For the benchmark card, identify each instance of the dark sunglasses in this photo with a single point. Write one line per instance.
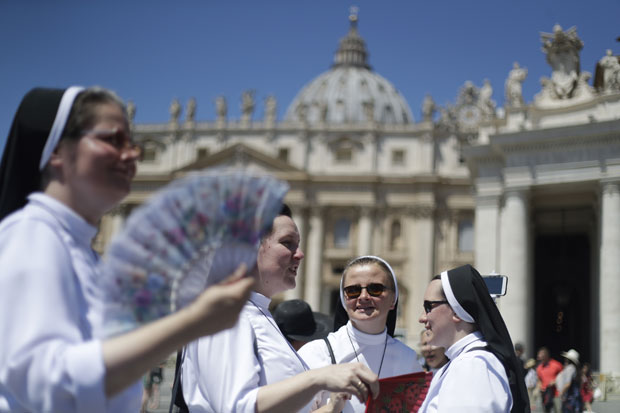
(429, 305)
(373, 290)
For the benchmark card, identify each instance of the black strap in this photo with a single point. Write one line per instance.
(176, 398)
(331, 351)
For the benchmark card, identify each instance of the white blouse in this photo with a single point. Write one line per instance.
(399, 359)
(222, 372)
(472, 382)
(49, 361)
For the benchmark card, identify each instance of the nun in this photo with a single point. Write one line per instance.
(483, 374)
(69, 159)
(364, 326)
(252, 367)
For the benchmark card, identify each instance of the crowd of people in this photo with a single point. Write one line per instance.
(70, 158)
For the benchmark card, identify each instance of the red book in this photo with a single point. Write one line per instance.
(400, 393)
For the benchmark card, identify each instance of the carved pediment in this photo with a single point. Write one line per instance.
(242, 156)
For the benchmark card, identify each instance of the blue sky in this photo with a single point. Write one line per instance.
(154, 51)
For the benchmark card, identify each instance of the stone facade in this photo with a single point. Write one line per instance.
(468, 183)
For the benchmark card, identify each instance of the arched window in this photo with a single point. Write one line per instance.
(342, 228)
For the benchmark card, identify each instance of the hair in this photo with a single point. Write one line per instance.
(370, 260)
(285, 211)
(438, 277)
(83, 116)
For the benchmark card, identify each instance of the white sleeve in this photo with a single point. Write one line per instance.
(221, 372)
(473, 385)
(315, 354)
(45, 364)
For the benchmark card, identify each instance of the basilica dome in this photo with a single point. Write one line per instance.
(350, 92)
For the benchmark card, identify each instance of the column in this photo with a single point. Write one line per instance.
(609, 306)
(418, 229)
(300, 219)
(364, 233)
(314, 259)
(514, 261)
(486, 225)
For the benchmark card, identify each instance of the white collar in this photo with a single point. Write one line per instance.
(70, 220)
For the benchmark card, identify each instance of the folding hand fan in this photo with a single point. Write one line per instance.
(190, 235)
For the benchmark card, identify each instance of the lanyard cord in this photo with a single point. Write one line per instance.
(280, 332)
(356, 356)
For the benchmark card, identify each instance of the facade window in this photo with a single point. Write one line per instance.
(398, 157)
(283, 154)
(149, 154)
(395, 235)
(202, 153)
(341, 233)
(344, 154)
(466, 235)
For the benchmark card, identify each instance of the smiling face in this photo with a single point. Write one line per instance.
(93, 175)
(278, 259)
(441, 320)
(368, 313)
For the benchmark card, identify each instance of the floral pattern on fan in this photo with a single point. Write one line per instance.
(163, 257)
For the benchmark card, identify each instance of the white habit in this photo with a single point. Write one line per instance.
(399, 359)
(49, 361)
(472, 382)
(222, 372)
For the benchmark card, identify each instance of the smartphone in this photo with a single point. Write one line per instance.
(496, 284)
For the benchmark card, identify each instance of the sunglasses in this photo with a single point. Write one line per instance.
(429, 305)
(373, 290)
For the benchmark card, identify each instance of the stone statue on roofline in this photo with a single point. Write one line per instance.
(247, 106)
(610, 66)
(270, 109)
(190, 113)
(428, 108)
(567, 85)
(221, 108)
(131, 111)
(514, 86)
(484, 99)
(175, 110)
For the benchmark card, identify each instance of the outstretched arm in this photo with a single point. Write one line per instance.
(292, 394)
(127, 357)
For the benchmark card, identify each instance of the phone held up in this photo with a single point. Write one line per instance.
(497, 284)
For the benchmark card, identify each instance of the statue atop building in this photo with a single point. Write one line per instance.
(175, 110)
(221, 108)
(247, 106)
(514, 86)
(485, 102)
(190, 113)
(567, 82)
(610, 66)
(270, 109)
(131, 111)
(428, 108)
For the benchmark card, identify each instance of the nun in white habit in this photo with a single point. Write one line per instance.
(364, 326)
(69, 158)
(483, 374)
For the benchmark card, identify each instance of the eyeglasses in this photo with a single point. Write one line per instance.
(116, 138)
(373, 290)
(429, 305)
